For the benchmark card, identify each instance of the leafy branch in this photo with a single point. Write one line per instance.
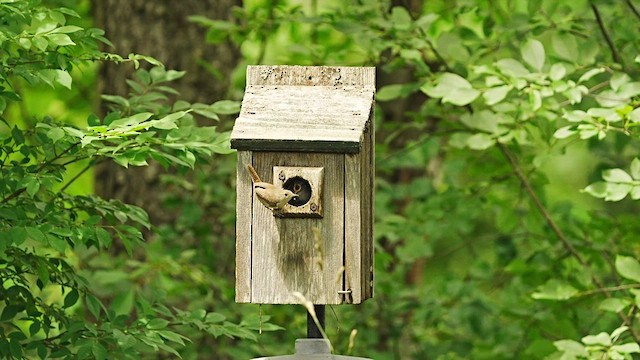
(566, 243)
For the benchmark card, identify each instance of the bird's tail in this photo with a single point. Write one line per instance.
(254, 174)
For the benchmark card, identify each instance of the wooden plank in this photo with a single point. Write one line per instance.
(353, 228)
(359, 195)
(310, 75)
(244, 207)
(277, 133)
(368, 206)
(287, 255)
(302, 114)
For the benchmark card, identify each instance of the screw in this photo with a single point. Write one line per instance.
(313, 207)
(281, 176)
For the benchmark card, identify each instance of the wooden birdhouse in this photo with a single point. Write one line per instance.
(309, 130)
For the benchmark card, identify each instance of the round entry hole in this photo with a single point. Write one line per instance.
(301, 188)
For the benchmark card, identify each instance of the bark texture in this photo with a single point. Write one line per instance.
(160, 29)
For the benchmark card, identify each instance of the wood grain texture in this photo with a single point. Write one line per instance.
(244, 206)
(304, 108)
(359, 175)
(309, 114)
(311, 75)
(368, 206)
(287, 254)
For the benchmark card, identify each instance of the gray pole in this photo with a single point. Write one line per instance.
(312, 329)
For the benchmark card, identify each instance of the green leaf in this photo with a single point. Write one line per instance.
(615, 334)
(564, 132)
(555, 290)
(452, 88)
(635, 168)
(391, 92)
(628, 267)
(591, 73)
(627, 348)
(63, 78)
(496, 94)
(104, 238)
(400, 18)
(36, 234)
(123, 303)
(613, 304)
(99, 352)
(93, 304)
(16, 348)
(168, 122)
(480, 141)
(606, 114)
(55, 134)
(10, 311)
(535, 100)
(599, 339)
(571, 348)
(66, 29)
(71, 298)
(565, 46)
(617, 192)
(157, 324)
(211, 318)
(59, 39)
(532, 52)
(131, 120)
(616, 176)
(33, 185)
(226, 107)
(511, 67)
(17, 135)
(557, 72)
(172, 336)
(634, 116)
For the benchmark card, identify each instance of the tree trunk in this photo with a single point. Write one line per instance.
(160, 29)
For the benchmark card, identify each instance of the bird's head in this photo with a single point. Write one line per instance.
(289, 195)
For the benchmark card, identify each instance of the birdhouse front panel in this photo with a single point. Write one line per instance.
(306, 133)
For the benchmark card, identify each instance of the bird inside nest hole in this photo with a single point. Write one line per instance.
(301, 188)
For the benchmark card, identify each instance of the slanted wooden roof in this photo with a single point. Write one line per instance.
(300, 108)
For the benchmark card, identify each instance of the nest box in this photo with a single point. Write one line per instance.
(308, 130)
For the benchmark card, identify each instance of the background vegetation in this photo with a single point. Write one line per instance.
(506, 187)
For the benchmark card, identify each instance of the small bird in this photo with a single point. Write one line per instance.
(272, 197)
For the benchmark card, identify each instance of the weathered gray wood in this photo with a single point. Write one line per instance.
(368, 207)
(244, 198)
(353, 236)
(287, 255)
(359, 175)
(307, 117)
(310, 75)
(315, 179)
(324, 108)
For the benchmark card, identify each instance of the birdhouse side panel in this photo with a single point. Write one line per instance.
(303, 255)
(244, 206)
(359, 175)
(368, 206)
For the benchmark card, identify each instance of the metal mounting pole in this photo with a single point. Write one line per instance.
(312, 329)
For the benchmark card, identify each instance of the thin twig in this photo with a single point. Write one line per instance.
(560, 234)
(609, 289)
(545, 214)
(605, 33)
(40, 168)
(65, 186)
(633, 8)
